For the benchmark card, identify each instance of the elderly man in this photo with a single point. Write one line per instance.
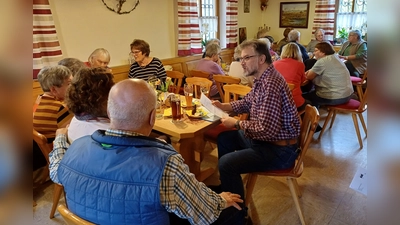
(268, 140)
(294, 36)
(355, 52)
(122, 176)
(99, 58)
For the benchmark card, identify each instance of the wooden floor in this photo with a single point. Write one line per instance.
(327, 199)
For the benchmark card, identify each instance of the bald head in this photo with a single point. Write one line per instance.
(131, 106)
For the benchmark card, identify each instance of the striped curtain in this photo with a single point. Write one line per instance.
(189, 37)
(325, 17)
(46, 48)
(231, 23)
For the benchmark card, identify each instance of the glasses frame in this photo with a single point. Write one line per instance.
(246, 58)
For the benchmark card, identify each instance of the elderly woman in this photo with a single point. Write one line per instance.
(354, 51)
(274, 55)
(49, 111)
(330, 77)
(236, 69)
(283, 41)
(210, 65)
(99, 58)
(87, 99)
(291, 67)
(144, 65)
(319, 35)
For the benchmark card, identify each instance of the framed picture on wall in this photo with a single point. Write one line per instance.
(246, 6)
(242, 34)
(294, 14)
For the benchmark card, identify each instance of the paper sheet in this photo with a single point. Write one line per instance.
(359, 182)
(206, 102)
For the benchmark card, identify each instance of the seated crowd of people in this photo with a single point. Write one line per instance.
(107, 161)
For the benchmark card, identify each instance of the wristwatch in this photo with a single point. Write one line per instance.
(237, 125)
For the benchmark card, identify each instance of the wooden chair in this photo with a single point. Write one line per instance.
(221, 80)
(177, 78)
(199, 73)
(355, 108)
(291, 86)
(359, 83)
(234, 90)
(307, 130)
(41, 140)
(70, 218)
(197, 82)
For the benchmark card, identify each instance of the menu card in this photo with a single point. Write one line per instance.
(206, 102)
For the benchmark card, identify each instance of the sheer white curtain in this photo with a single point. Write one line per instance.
(352, 21)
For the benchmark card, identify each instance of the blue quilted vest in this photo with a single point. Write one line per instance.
(115, 180)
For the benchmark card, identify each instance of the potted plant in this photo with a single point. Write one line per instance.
(343, 34)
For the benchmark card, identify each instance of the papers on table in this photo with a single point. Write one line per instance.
(206, 102)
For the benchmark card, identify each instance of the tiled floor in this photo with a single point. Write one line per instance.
(326, 197)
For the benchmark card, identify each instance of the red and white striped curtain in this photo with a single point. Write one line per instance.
(189, 38)
(46, 48)
(231, 23)
(325, 17)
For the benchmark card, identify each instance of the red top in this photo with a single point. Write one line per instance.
(293, 72)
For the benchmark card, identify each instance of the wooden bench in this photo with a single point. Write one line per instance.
(182, 64)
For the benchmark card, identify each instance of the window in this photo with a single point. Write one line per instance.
(208, 14)
(351, 15)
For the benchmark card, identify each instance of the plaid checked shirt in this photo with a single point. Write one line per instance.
(273, 113)
(180, 192)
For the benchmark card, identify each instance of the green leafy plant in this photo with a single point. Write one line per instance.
(343, 33)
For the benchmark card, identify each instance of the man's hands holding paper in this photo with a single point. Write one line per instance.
(228, 122)
(224, 106)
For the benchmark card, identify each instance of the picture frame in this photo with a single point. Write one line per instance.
(294, 14)
(246, 6)
(242, 34)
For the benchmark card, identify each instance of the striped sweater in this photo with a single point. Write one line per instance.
(155, 67)
(50, 115)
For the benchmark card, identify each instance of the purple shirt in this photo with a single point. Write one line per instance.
(273, 113)
(212, 68)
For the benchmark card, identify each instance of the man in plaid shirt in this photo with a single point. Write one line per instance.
(268, 140)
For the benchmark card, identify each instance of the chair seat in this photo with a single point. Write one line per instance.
(212, 134)
(352, 104)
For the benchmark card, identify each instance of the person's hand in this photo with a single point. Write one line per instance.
(232, 199)
(217, 104)
(229, 122)
(63, 130)
(342, 57)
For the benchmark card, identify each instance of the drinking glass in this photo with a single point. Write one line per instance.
(176, 107)
(153, 81)
(188, 89)
(171, 88)
(159, 110)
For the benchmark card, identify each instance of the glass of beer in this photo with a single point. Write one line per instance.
(188, 89)
(176, 107)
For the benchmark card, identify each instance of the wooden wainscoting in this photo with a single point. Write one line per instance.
(182, 64)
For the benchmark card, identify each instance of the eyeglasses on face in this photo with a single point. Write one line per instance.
(136, 52)
(246, 58)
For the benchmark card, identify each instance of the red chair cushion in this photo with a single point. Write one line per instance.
(212, 134)
(355, 80)
(352, 104)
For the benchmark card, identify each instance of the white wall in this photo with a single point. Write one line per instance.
(83, 26)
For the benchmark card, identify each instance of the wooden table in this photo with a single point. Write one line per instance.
(187, 139)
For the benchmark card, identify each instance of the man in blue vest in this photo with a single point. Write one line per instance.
(122, 176)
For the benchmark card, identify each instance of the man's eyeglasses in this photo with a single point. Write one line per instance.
(246, 58)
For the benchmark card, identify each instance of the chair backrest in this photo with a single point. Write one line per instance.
(70, 218)
(197, 82)
(221, 80)
(308, 126)
(41, 141)
(365, 76)
(236, 90)
(363, 103)
(177, 78)
(199, 73)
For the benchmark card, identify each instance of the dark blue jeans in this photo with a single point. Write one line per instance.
(239, 155)
(315, 100)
